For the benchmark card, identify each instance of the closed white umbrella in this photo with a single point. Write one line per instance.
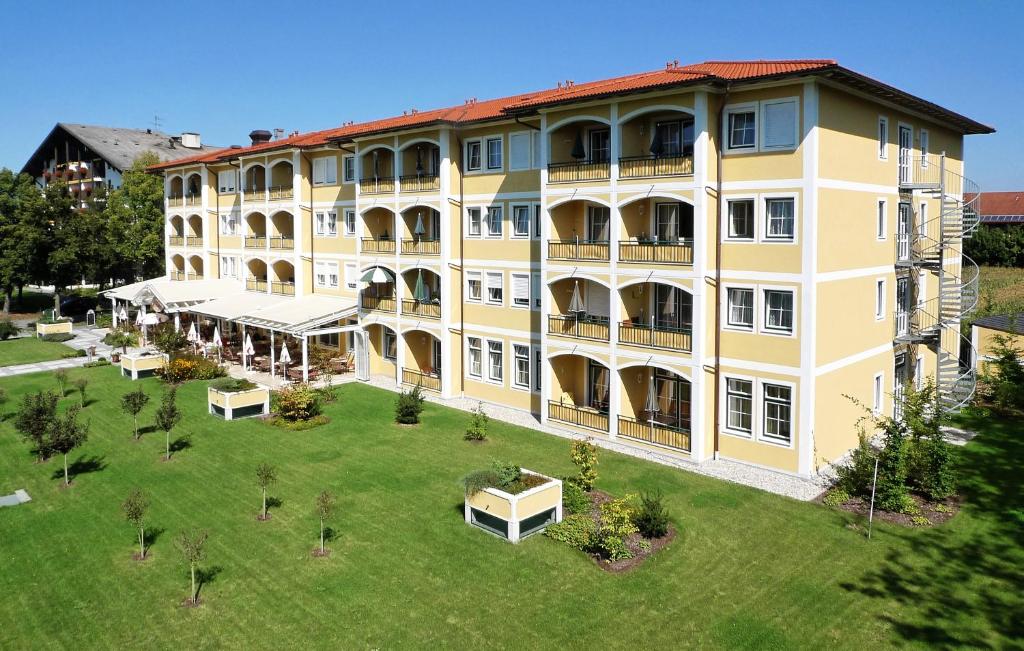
(247, 349)
(192, 335)
(138, 317)
(576, 305)
(216, 337)
(122, 315)
(284, 358)
(153, 318)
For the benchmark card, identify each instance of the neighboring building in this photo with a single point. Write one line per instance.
(999, 208)
(86, 157)
(575, 253)
(986, 328)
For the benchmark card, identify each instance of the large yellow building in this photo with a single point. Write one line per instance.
(702, 258)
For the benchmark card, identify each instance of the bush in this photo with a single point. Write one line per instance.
(855, 475)
(121, 339)
(577, 530)
(58, 337)
(8, 329)
(100, 361)
(299, 402)
(299, 425)
(584, 455)
(615, 525)
(477, 430)
(574, 500)
(190, 367)
(507, 473)
(232, 385)
(74, 353)
(1002, 383)
(835, 497)
(651, 518)
(409, 406)
(478, 480)
(168, 340)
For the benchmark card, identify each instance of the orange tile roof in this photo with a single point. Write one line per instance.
(671, 75)
(999, 204)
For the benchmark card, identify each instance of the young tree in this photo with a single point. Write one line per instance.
(66, 434)
(132, 404)
(584, 455)
(320, 359)
(81, 384)
(167, 416)
(135, 506)
(120, 338)
(192, 545)
(35, 418)
(168, 340)
(61, 375)
(324, 508)
(477, 430)
(266, 475)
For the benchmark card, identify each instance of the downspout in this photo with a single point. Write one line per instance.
(528, 126)
(718, 272)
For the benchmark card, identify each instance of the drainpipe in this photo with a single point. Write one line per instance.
(718, 271)
(528, 126)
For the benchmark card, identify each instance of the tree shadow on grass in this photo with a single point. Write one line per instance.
(274, 502)
(330, 534)
(205, 575)
(181, 443)
(147, 429)
(960, 585)
(81, 466)
(150, 535)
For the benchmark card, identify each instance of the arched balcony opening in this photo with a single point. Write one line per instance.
(422, 293)
(255, 230)
(194, 234)
(282, 236)
(177, 231)
(283, 278)
(580, 231)
(422, 231)
(379, 230)
(255, 178)
(177, 269)
(580, 309)
(195, 268)
(656, 315)
(421, 168)
(658, 230)
(655, 407)
(655, 144)
(384, 346)
(422, 364)
(193, 190)
(256, 275)
(580, 392)
(379, 291)
(580, 151)
(378, 172)
(281, 181)
(176, 191)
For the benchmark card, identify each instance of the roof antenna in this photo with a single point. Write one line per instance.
(157, 122)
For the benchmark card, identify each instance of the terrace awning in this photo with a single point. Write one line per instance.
(237, 305)
(297, 315)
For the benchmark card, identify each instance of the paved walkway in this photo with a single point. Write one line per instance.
(17, 497)
(83, 339)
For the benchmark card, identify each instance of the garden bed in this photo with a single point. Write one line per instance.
(640, 547)
(230, 398)
(54, 328)
(145, 364)
(935, 512)
(517, 510)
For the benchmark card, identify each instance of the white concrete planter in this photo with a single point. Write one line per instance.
(136, 365)
(238, 404)
(514, 517)
(60, 327)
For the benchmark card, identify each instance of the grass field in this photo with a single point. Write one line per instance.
(748, 570)
(26, 350)
(1001, 291)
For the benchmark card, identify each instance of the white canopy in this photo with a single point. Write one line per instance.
(153, 318)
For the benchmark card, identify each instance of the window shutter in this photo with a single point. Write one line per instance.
(535, 289)
(318, 170)
(332, 170)
(520, 289)
(779, 127)
(519, 151)
(536, 149)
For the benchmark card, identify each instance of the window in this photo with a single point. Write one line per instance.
(537, 366)
(779, 219)
(494, 153)
(880, 220)
(924, 148)
(778, 120)
(535, 153)
(520, 290)
(876, 402)
(494, 361)
(600, 146)
(778, 310)
(521, 221)
(494, 288)
(325, 170)
(229, 224)
(597, 386)
(326, 274)
(535, 289)
(349, 165)
(350, 222)
(473, 217)
(741, 308)
(777, 411)
(494, 219)
(473, 285)
(475, 357)
(883, 138)
(390, 345)
(598, 218)
(741, 219)
(226, 181)
(879, 299)
(327, 223)
(919, 373)
(229, 267)
(473, 155)
(922, 220)
(536, 221)
(521, 378)
(351, 277)
(519, 157)
(739, 401)
(742, 129)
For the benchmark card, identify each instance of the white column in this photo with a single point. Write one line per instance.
(273, 371)
(113, 312)
(243, 347)
(305, 358)
(704, 295)
(614, 300)
(545, 292)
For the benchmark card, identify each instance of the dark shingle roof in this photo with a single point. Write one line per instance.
(1004, 322)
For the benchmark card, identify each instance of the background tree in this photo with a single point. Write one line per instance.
(132, 404)
(34, 420)
(68, 242)
(134, 218)
(324, 509)
(167, 416)
(81, 384)
(134, 507)
(192, 545)
(61, 375)
(22, 233)
(266, 475)
(66, 434)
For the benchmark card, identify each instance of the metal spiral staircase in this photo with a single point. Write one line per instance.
(935, 245)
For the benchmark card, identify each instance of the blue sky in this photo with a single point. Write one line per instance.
(225, 68)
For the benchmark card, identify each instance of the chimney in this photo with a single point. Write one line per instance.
(190, 139)
(278, 134)
(258, 136)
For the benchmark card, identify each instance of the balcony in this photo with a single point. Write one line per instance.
(656, 336)
(414, 307)
(655, 433)
(176, 240)
(193, 276)
(378, 303)
(582, 250)
(371, 245)
(282, 288)
(175, 200)
(193, 199)
(585, 326)
(177, 275)
(588, 417)
(579, 171)
(419, 183)
(193, 240)
(642, 167)
(421, 247)
(657, 251)
(255, 242)
(256, 284)
(282, 243)
(430, 381)
(377, 185)
(254, 195)
(281, 192)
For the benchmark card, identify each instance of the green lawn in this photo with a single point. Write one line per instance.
(749, 569)
(26, 350)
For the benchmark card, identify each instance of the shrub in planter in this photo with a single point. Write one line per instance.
(574, 500)
(121, 339)
(577, 530)
(409, 406)
(168, 340)
(190, 367)
(232, 385)
(502, 475)
(58, 337)
(8, 329)
(295, 403)
(477, 430)
(651, 518)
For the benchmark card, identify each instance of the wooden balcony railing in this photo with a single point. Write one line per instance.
(421, 246)
(656, 336)
(256, 284)
(674, 252)
(429, 310)
(192, 240)
(430, 381)
(193, 276)
(580, 416)
(283, 288)
(377, 185)
(578, 171)
(639, 167)
(583, 327)
(282, 242)
(175, 200)
(378, 303)
(658, 434)
(255, 242)
(254, 195)
(176, 240)
(577, 250)
(372, 245)
(419, 182)
(279, 192)
(193, 199)
(177, 275)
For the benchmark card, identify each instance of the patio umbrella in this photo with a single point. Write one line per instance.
(421, 293)
(122, 315)
(419, 161)
(652, 407)
(377, 275)
(376, 156)
(247, 349)
(284, 358)
(153, 318)
(576, 305)
(577, 148)
(656, 148)
(419, 230)
(192, 335)
(138, 317)
(217, 341)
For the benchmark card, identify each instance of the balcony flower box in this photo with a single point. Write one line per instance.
(57, 327)
(142, 364)
(231, 399)
(516, 516)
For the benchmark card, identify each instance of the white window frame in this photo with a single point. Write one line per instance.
(727, 308)
(762, 436)
(345, 167)
(922, 219)
(733, 109)
(538, 368)
(763, 319)
(727, 217)
(322, 227)
(229, 223)
(328, 172)
(513, 232)
(501, 367)
(479, 349)
(350, 225)
(765, 220)
(489, 284)
(500, 167)
(724, 416)
(882, 146)
(924, 141)
(384, 332)
(515, 299)
(478, 276)
(517, 348)
(918, 373)
(229, 265)
(487, 214)
(536, 290)
(882, 219)
(351, 275)
(326, 274)
(233, 185)
(479, 222)
(877, 393)
(759, 126)
(880, 298)
(536, 214)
